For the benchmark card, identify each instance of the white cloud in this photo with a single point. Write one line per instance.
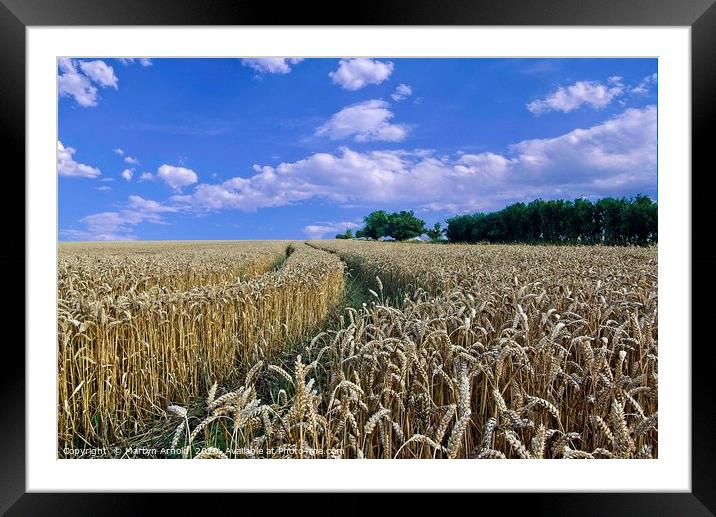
(146, 176)
(127, 159)
(100, 72)
(104, 222)
(566, 99)
(127, 174)
(67, 166)
(91, 235)
(147, 209)
(401, 92)
(71, 83)
(365, 121)
(625, 144)
(77, 83)
(103, 188)
(271, 65)
(113, 226)
(176, 177)
(320, 230)
(645, 84)
(144, 61)
(616, 157)
(354, 74)
(491, 166)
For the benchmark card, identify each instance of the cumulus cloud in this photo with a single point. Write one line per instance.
(401, 92)
(321, 229)
(616, 157)
(127, 174)
(624, 141)
(100, 72)
(127, 159)
(490, 165)
(76, 77)
(176, 177)
(146, 176)
(354, 74)
(119, 225)
(103, 188)
(144, 61)
(271, 65)
(147, 209)
(71, 83)
(363, 122)
(570, 98)
(67, 166)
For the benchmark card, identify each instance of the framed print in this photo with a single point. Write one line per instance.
(415, 251)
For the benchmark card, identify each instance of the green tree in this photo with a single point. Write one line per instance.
(639, 223)
(435, 233)
(376, 224)
(582, 224)
(608, 221)
(515, 222)
(611, 212)
(404, 225)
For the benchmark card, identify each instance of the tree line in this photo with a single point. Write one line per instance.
(611, 221)
(400, 226)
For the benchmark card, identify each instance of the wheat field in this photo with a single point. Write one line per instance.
(192, 316)
(358, 349)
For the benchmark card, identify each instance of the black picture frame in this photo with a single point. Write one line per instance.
(700, 15)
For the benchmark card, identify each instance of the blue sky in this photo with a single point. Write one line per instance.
(290, 149)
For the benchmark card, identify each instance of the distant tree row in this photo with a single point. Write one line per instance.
(608, 221)
(397, 225)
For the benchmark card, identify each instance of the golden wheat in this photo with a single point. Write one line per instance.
(463, 351)
(124, 357)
